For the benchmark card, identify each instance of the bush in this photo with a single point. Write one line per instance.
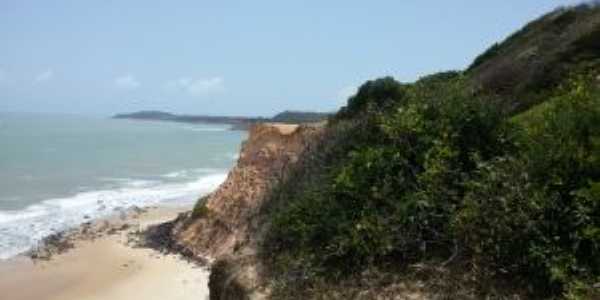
(200, 209)
(373, 95)
(537, 216)
(443, 171)
(393, 196)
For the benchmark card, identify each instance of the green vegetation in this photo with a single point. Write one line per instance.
(373, 95)
(297, 117)
(488, 178)
(534, 60)
(200, 210)
(535, 212)
(443, 172)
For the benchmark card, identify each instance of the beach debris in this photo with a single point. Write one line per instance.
(62, 241)
(56, 243)
(160, 238)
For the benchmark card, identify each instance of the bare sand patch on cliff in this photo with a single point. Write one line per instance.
(284, 129)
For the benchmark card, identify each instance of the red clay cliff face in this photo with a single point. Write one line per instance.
(266, 156)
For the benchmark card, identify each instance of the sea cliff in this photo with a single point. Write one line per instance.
(224, 227)
(450, 187)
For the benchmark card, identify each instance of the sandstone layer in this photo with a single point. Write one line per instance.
(226, 229)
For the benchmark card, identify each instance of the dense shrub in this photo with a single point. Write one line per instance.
(485, 56)
(537, 58)
(376, 95)
(441, 171)
(538, 215)
(393, 196)
(200, 209)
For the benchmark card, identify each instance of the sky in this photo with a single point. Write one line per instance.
(251, 58)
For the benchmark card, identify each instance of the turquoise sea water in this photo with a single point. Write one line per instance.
(58, 171)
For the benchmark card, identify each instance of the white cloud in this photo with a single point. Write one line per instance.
(202, 86)
(196, 87)
(44, 76)
(178, 84)
(127, 82)
(346, 92)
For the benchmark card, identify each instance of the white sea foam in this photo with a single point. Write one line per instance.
(20, 230)
(176, 174)
(191, 173)
(205, 129)
(228, 156)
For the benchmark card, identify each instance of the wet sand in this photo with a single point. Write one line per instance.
(107, 267)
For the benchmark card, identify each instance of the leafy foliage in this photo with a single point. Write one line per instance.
(392, 197)
(536, 214)
(372, 95)
(537, 58)
(200, 209)
(442, 170)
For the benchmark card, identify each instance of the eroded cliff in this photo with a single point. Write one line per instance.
(225, 230)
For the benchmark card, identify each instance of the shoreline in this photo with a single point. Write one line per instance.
(25, 227)
(101, 261)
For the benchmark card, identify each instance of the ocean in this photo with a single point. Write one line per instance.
(58, 171)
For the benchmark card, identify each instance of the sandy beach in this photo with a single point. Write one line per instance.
(107, 267)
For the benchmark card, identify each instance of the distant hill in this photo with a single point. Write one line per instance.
(299, 117)
(147, 115)
(237, 122)
(537, 58)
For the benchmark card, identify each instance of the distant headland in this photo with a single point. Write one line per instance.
(237, 122)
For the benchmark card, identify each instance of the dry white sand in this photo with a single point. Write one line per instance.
(108, 269)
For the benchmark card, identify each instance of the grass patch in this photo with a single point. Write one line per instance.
(200, 209)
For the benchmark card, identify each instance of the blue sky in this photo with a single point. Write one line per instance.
(234, 57)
